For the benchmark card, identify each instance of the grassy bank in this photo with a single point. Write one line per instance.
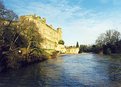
(15, 60)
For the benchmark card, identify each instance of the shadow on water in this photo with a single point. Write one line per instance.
(82, 70)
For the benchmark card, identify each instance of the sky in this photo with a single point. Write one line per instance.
(80, 20)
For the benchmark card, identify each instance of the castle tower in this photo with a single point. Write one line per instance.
(59, 31)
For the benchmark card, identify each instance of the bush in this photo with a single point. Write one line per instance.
(61, 42)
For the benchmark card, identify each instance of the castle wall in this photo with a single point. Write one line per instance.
(49, 35)
(72, 50)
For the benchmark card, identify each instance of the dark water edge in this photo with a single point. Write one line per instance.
(22, 64)
(82, 70)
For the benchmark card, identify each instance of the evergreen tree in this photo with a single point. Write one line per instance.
(77, 44)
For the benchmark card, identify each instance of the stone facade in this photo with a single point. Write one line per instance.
(72, 50)
(50, 35)
(61, 48)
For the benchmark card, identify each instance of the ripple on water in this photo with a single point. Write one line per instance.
(83, 70)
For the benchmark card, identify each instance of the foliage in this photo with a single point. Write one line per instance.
(16, 34)
(111, 36)
(6, 14)
(82, 48)
(77, 44)
(110, 42)
(31, 34)
(107, 43)
(61, 42)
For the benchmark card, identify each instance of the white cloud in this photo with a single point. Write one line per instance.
(86, 31)
(78, 24)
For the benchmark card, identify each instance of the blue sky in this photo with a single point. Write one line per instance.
(80, 20)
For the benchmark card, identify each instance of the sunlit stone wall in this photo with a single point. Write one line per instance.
(50, 35)
(72, 50)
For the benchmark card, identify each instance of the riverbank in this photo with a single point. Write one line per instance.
(17, 62)
(115, 54)
(14, 60)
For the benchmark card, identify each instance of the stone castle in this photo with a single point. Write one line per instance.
(50, 36)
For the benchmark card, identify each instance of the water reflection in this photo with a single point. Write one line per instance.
(83, 70)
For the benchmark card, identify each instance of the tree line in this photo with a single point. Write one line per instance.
(107, 43)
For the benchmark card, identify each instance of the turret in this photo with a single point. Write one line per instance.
(43, 20)
(59, 31)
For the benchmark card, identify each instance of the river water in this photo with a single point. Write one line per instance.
(82, 70)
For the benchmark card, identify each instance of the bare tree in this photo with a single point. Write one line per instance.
(7, 23)
(31, 33)
(111, 36)
(101, 40)
(6, 14)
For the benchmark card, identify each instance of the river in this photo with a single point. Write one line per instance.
(82, 70)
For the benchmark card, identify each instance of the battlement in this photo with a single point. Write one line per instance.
(50, 35)
(33, 17)
(38, 18)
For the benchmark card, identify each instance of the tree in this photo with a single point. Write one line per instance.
(111, 36)
(83, 48)
(118, 46)
(6, 13)
(16, 34)
(109, 41)
(61, 42)
(31, 33)
(77, 44)
(7, 35)
(8, 31)
(101, 40)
